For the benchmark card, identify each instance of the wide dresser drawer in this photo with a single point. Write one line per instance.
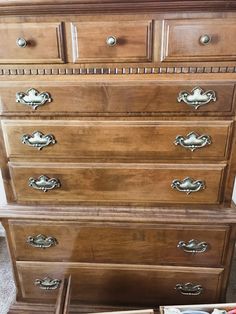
(90, 96)
(123, 243)
(106, 284)
(137, 140)
(117, 183)
(199, 40)
(27, 43)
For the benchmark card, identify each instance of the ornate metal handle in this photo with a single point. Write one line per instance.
(38, 140)
(111, 41)
(193, 246)
(193, 141)
(189, 288)
(44, 183)
(41, 241)
(205, 39)
(188, 185)
(47, 283)
(197, 97)
(21, 42)
(33, 98)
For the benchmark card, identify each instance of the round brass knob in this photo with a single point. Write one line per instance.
(111, 41)
(21, 42)
(205, 39)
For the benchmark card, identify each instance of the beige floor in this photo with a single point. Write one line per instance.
(7, 287)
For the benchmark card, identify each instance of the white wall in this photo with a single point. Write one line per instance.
(2, 193)
(234, 194)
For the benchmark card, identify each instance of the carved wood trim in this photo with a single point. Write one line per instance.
(116, 71)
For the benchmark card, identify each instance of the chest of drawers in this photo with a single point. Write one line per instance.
(119, 150)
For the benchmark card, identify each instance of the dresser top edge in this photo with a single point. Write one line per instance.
(42, 7)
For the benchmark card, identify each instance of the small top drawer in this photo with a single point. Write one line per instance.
(111, 41)
(199, 40)
(31, 43)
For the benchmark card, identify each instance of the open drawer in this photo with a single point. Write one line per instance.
(199, 307)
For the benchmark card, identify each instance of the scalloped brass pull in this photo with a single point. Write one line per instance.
(44, 183)
(197, 97)
(41, 241)
(188, 185)
(38, 140)
(47, 283)
(193, 246)
(189, 288)
(193, 141)
(33, 98)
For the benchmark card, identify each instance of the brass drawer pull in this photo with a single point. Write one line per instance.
(188, 185)
(38, 140)
(205, 39)
(189, 288)
(193, 141)
(111, 41)
(21, 42)
(33, 98)
(197, 97)
(41, 241)
(47, 283)
(44, 183)
(193, 246)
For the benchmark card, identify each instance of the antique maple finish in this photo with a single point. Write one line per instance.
(150, 244)
(111, 41)
(116, 183)
(121, 140)
(117, 95)
(126, 285)
(25, 43)
(118, 151)
(203, 40)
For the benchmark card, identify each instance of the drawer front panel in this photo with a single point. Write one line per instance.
(111, 41)
(145, 140)
(117, 183)
(27, 43)
(121, 285)
(116, 98)
(203, 40)
(118, 243)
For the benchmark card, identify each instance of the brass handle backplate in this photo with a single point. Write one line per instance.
(38, 140)
(44, 183)
(193, 141)
(41, 241)
(189, 288)
(188, 185)
(33, 98)
(193, 246)
(47, 283)
(197, 97)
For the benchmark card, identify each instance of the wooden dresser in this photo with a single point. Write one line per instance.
(118, 150)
